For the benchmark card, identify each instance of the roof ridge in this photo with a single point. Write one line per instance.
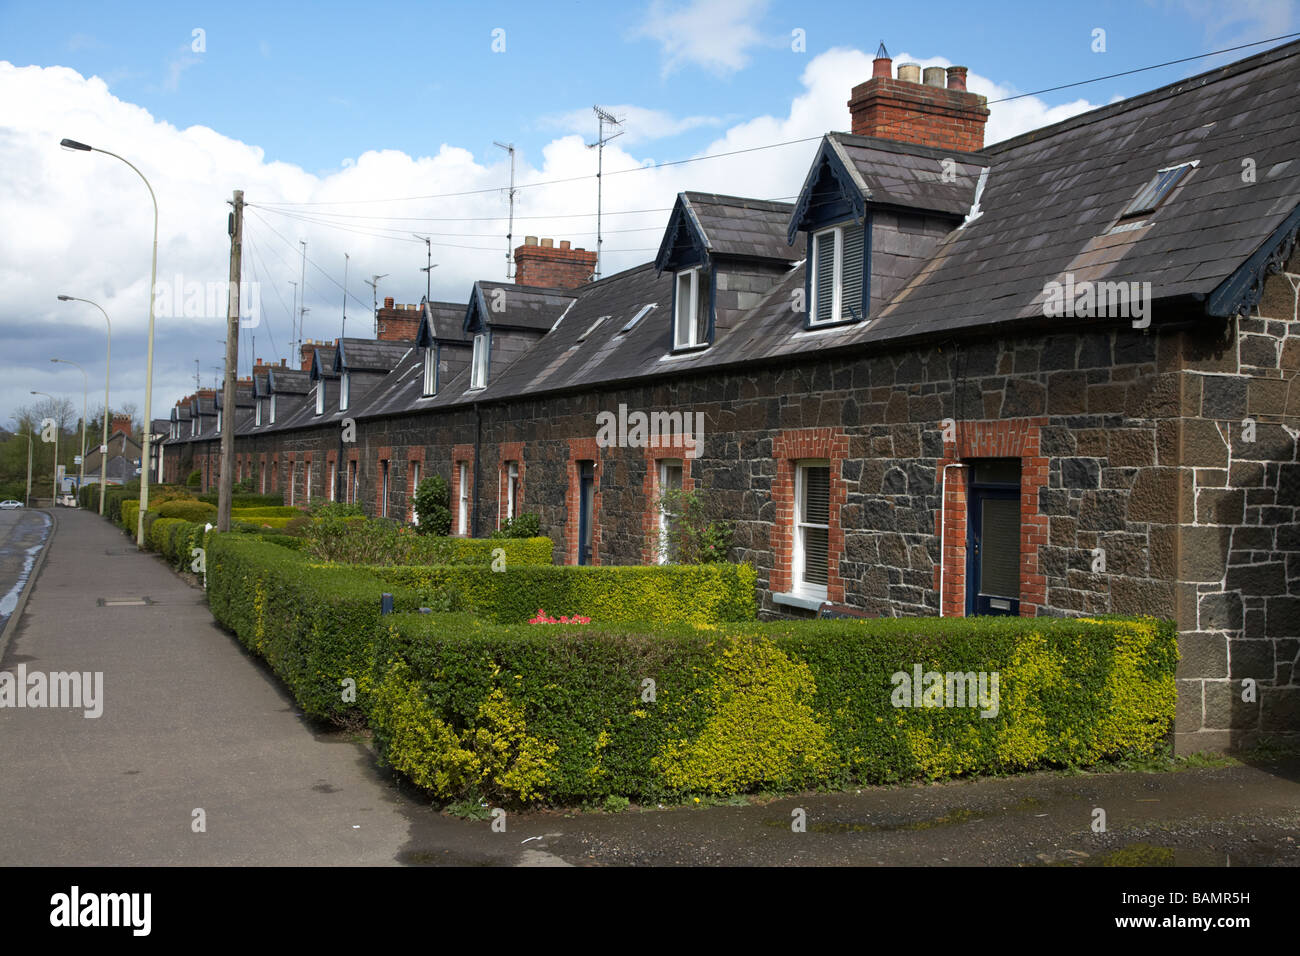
(1169, 90)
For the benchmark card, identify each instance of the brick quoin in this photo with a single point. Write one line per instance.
(650, 488)
(509, 451)
(788, 449)
(461, 453)
(1011, 438)
(582, 449)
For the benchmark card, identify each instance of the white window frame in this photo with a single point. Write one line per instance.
(664, 465)
(798, 553)
(837, 276)
(415, 485)
(354, 480)
(462, 492)
(257, 414)
(293, 475)
(385, 470)
(320, 397)
(430, 373)
(478, 373)
(263, 480)
(345, 391)
(272, 409)
(306, 484)
(218, 421)
(512, 482)
(334, 481)
(692, 305)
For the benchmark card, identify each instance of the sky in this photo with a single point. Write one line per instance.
(348, 126)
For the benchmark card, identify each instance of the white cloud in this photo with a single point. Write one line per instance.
(81, 223)
(640, 125)
(714, 34)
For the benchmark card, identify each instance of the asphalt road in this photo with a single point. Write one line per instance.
(191, 722)
(22, 532)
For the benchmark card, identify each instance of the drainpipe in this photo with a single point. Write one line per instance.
(478, 443)
(943, 528)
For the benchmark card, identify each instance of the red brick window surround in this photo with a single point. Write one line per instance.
(306, 477)
(582, 449)
(1011, 438)
(414, 475)
(462, 515)
(331, 475)
(275, 473)
(512, 453)
(789, 448)
(291, 495)
(383, 479)
(650, 527)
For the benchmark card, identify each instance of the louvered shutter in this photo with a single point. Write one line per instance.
(816, 511)
(851, 273)
(824, 276)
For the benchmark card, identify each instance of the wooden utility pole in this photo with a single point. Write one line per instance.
(229, 414)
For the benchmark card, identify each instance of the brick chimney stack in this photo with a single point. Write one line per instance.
(918, 108)
(121, 423)
(398, 323)
(545, 266)
(306, 353)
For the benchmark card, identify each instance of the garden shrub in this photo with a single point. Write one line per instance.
(265, 511)
(240, 500)
(433, 506)
(526, 525)
(188, 509)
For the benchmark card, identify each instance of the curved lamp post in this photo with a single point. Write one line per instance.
(85, 392)
(103, 448)
(148, 372)
(55, 488)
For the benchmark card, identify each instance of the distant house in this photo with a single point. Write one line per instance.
(123, 454)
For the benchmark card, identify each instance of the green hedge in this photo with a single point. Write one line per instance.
(247, 500)
(189, 509)
(269, 511)
(693, 594)
(256, 522)
(560, 713)
(315, 625)
(128, 512)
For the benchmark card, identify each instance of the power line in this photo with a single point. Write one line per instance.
(1143, 69)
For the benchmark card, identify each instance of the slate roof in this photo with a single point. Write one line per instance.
(322, 363)
(444, 321)
(1048, 206)
(369, 355)
(735, 226)
(290, 381)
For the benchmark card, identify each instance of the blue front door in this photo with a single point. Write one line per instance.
(993, 538)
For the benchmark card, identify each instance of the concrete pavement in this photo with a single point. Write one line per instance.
(191, 722)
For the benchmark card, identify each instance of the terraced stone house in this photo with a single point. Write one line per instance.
(1056, 375)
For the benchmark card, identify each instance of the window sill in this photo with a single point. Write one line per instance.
(792, 599)
(686, 351)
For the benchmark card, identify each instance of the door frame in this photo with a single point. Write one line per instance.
(978, 603)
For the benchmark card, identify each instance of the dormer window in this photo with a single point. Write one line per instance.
(320, 399)
(345, 388)
(257, 413)
(218, 421)
(272, 409)
(478, 375)
(835, 271)
(430, 372)
(690, 309)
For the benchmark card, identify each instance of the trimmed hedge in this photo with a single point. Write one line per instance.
(269, 511)
(562, 713)
(315, 625)
(188, 509)
(693, 594)
(247, 500)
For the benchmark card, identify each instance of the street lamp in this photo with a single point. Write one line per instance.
(85, 391)
(55, 489)
(103, 448)
(148, 372)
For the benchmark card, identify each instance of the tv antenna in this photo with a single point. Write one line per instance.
(603, 118)
(373, 282)
(510, 230)
(429, 266)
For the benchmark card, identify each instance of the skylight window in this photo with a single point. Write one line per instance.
(592, 328)
(1155, 192)
(631, 323)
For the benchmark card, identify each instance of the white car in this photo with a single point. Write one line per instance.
(68, 501)
(10, 505)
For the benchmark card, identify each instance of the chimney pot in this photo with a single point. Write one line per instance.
(283, 363)
(934, 76)
(909, 72)
(564, 243)
(530, 240)
(388, 302)
(548, 243)
(957, 78)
